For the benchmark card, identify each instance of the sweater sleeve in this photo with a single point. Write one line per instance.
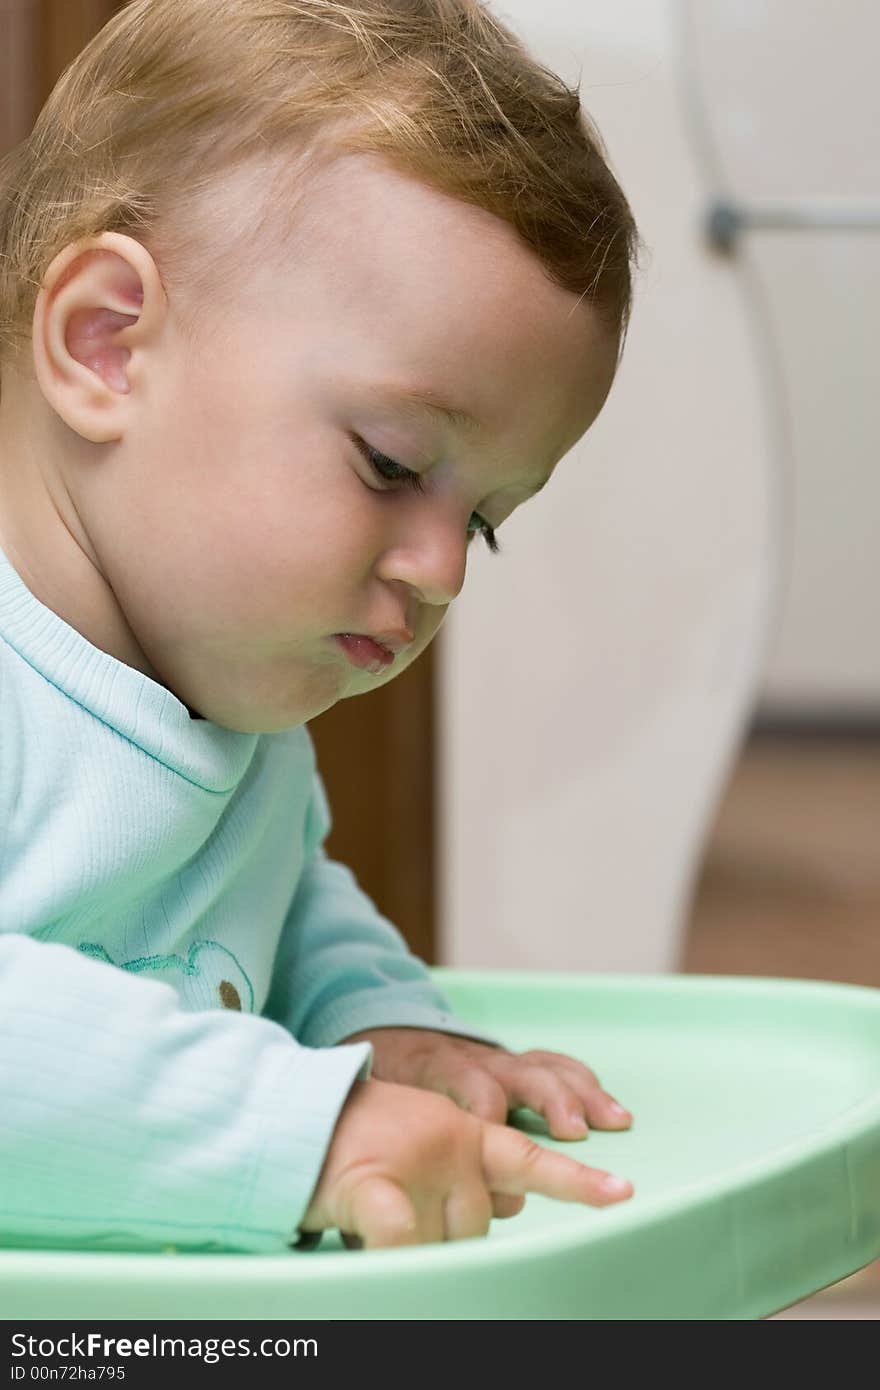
(127, 1122)
(341, 966)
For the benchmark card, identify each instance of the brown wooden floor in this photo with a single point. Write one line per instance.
(790, 886)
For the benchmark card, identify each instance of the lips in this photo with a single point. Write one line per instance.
(364, 652)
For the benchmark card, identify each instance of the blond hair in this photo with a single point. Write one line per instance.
(172, 94)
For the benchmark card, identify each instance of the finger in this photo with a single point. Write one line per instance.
(505, 1204)
(540, 1057)
(551, 1096)
(477, 1092)
(467, 1212)
(513, 1163)
(600, 1108)
(382, 1214)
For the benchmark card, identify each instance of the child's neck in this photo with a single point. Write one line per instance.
(41, 543)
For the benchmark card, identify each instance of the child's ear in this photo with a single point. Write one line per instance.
(99, 312)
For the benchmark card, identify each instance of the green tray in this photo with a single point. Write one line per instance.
(755, 1154)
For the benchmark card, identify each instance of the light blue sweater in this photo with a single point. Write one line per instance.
(178, 959)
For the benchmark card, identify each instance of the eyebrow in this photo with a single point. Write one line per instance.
(430, 403)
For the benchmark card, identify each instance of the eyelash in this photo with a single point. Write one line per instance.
(414, 480)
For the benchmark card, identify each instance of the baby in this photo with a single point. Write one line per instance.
(296, 297)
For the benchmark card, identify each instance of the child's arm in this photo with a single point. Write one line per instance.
(341, 966)
(127, 1122)
(343, 972)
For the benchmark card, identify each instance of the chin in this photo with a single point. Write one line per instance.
(272, 702)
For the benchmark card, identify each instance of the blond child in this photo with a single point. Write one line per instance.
(296, 297)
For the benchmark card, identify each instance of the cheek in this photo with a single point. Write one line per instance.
(268, 524)
(428, 629)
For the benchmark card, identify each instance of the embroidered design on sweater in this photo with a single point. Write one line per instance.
(201, 964)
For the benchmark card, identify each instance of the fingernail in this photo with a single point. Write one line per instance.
(618, 1110)
(577, 1122)
(614, 1186)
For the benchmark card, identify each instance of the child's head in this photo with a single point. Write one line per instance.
(235, 223)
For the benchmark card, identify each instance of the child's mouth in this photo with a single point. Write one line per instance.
(364, 652)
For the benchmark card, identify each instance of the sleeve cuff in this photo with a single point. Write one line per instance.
(340, 1020)
(305, 1103)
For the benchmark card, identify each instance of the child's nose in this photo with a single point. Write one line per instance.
(431, 559)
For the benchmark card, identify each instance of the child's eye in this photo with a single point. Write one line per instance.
(391, 472)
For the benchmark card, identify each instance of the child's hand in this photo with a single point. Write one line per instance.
(406, 1167)
(488, 1081)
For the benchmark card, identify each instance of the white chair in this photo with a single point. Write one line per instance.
(598, 677)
